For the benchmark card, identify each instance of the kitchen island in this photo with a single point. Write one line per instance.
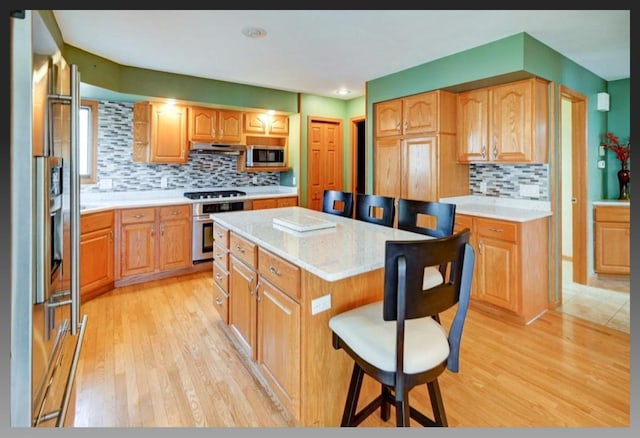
(283, 285)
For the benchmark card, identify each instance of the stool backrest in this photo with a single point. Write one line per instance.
(338, 203)
(409, 211)
(365, 209)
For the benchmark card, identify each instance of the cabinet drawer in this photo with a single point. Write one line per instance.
(221, 255)
(96, 221)
(221, 277)
(243, 249)
(287, 202)
(497, 229)
(221, 302)
(280, 273)
(220, 235)
(138, 215)
(175, 212)
(612, 214)
(462, 222)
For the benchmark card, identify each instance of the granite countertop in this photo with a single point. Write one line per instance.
(511, 209)
(349, 248)
(95, 202)
(613, 203)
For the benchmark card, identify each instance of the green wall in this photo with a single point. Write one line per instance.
(618, 122)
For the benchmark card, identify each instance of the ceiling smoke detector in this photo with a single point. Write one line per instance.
(254, 32)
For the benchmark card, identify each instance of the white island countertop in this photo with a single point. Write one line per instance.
(349, 248)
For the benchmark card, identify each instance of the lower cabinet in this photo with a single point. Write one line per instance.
(612, 240)
(259, 204)
(154, 239)
(511, 276)
(96, 254)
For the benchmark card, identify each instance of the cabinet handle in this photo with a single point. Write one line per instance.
(174, 212)
(218, 301)
(480, 246)
(274, 271)
(218, 276)
(497, 230)
(138, 216)
(111, 236)
(251, 291)
(219, 234)
(162, 230)
(484, 151)
(239, 248)
(256, 291)
(153, 231)
(495, 151)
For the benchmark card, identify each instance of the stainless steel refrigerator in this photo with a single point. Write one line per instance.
(47, 331)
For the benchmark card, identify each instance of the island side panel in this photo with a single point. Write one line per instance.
(535, 268)
(326, 372)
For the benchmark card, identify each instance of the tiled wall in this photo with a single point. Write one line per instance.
(503, 180)
(115, 139)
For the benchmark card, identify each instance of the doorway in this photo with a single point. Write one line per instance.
(324, 159)
(358, 155)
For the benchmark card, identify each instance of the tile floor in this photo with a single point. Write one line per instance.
(607, 303)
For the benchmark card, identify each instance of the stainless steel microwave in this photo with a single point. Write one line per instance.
(265, 156)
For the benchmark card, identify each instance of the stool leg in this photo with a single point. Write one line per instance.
(385, 407)
(351, 403)
(437, 404)
(403, 411)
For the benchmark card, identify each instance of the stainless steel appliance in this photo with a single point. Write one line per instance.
(265, 156)
(47, 335)
(202, 230)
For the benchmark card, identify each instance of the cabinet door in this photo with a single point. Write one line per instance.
(229, 126)
(472, 125)
(497, 273)
(420, 114)
(511, 122)
(243, 304)
(202, 124)
(279, 125)
(279, 343)
(287, 202)
(137, 248)
(612, 247)
(96, 260)
(387, 167)
(175, 244)
(259, 204)
(388, 118)
(419, 169)
(169, 134)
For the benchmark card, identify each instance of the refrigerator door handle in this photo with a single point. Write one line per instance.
(75, 199)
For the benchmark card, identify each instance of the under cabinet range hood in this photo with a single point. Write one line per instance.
(212, 148)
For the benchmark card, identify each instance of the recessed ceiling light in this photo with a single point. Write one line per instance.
(254, 32)
(343, 92)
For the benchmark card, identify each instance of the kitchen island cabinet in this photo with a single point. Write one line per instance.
(304, 278)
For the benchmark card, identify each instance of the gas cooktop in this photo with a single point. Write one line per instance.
(217, 194)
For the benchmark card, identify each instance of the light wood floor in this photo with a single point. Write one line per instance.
(156, 354)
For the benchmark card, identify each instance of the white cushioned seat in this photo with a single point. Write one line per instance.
(374, 339)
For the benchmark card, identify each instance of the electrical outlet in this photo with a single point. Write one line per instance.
(293, 180)
(164, 182)
(255, 179)
(530, 190)
(105, 183)
(483, 187)
(321, 304)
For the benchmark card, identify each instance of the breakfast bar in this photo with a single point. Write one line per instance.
(279, 276)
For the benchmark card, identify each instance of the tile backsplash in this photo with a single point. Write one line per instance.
(203, 170)
(505, 180)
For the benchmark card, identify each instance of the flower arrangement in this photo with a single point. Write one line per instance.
(622, 150)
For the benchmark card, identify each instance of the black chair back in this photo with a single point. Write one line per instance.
(365, 212)
(404, 297)
(338, 203)
(409, 211)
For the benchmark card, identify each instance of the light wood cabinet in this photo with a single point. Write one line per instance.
(260, 123)
(242, 294)
(221, 271)
(160, 133)
(505, 123)
(511, 275)
(258, 204)
(210, 125)
(415, 148)
(612, 240)
(154, 239)
(96, 254)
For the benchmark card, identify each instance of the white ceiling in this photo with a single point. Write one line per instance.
(319, 51)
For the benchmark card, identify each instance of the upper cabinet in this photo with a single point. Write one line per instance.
(260, 123)
(505, 123)
(415, 115)
(160, 133)
(209, 125)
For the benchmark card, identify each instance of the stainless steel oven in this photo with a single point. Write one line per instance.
(202, 230)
